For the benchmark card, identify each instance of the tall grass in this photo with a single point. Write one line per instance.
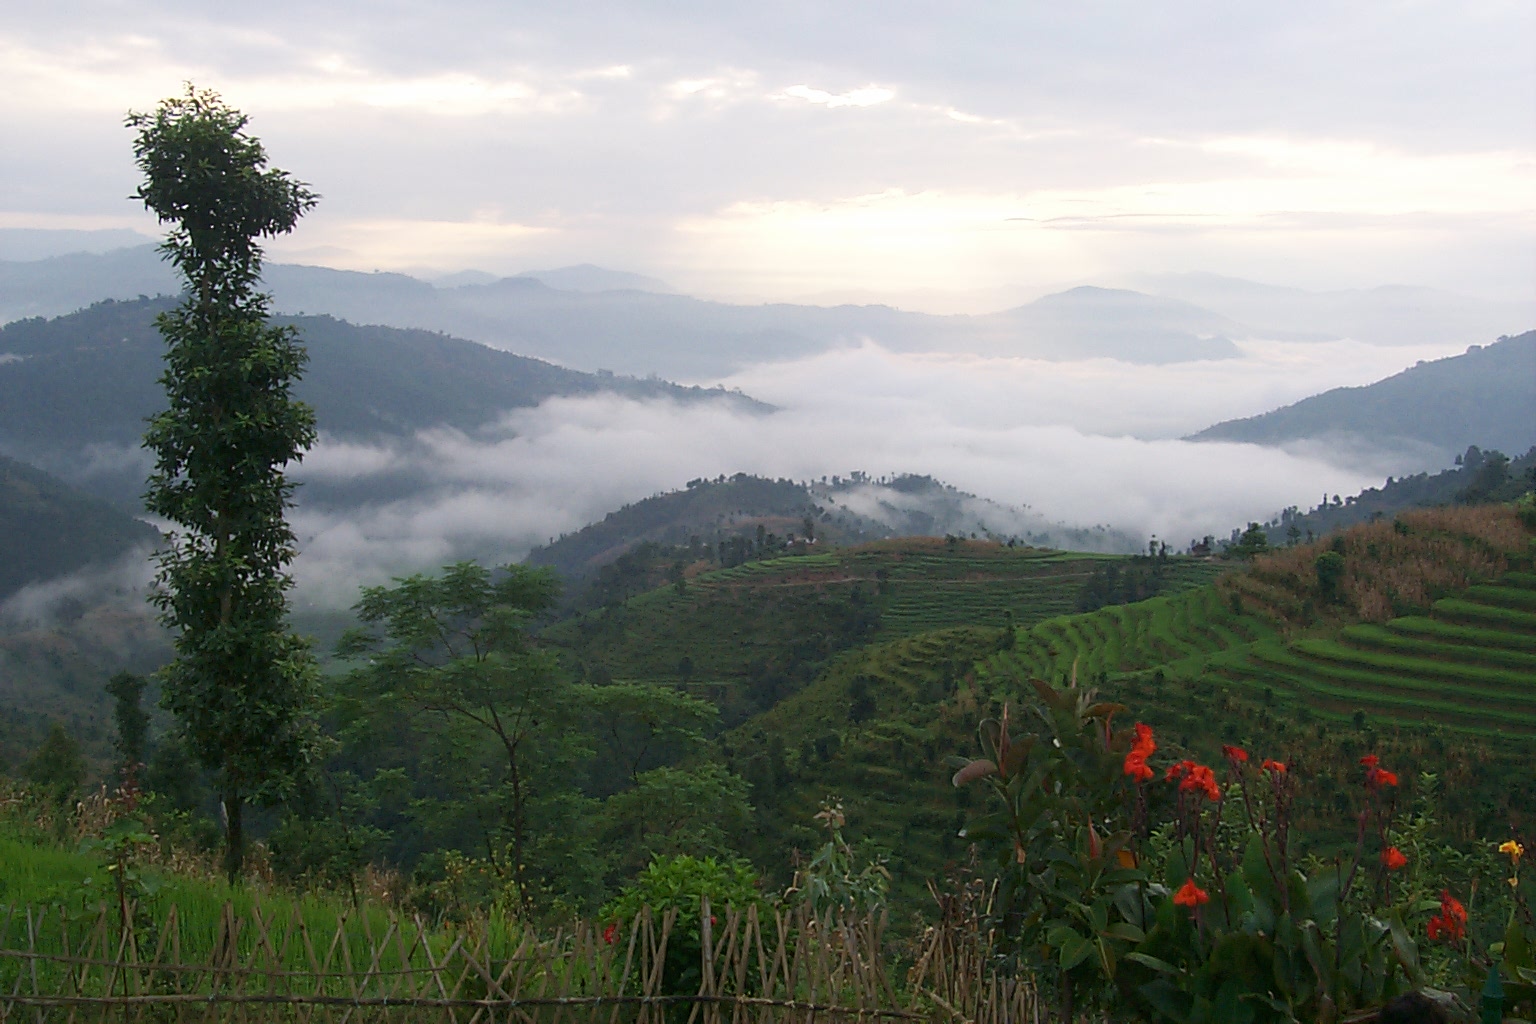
(1399, 567)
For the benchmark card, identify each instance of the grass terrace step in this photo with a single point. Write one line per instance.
(1456, 609)
(1384, 638)
(1503, 597)
(1473, 636)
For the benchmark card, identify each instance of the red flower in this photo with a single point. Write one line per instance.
(1451, 923)
(1234, 754)
(1136, 767)
(1271, 765)
(1375, 778)
(1393, 858)
(1141, 749)
(1201, 778)
(1191, 895)
(611, 932)
(1370, 760)
(1177, 771)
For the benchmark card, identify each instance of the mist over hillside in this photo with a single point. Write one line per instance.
(1433, 410)
(433, 449)
(77, 390)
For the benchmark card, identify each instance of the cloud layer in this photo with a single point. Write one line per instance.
(791, 149)
(1084, 443)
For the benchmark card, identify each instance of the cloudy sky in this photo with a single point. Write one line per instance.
(941, 156)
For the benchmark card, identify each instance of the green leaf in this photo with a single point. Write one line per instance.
(1126, 931)
(1074, 950)
(1406, 950)
(1148, 960)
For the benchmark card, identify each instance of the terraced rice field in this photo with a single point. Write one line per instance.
(1128, 638)
(927, 585)
(1469, 666)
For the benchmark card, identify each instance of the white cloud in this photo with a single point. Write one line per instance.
(868, 96)
(1017, 431)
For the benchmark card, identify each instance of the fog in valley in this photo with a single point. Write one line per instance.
(1273, 170)
(1084, 443)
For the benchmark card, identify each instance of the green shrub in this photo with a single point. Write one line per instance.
(680, 884)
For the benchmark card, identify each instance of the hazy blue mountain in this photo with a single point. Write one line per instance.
(1389, 315)
(40, 243)
(1115, 323)
(627, 327)
(584, 277)
(1485, 397)
(61, 284)
(77, 398)
(49, 529)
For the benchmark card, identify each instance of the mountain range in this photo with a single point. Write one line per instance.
(1485, 397)
(590, 318)
(75, 391)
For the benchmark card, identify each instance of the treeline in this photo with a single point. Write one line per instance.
(1479, 477)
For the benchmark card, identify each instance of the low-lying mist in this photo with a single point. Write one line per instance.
(1083, 443)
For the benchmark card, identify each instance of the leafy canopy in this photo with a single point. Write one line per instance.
(241, 685)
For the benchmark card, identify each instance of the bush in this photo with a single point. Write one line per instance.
(680, 884)
(1177, 894)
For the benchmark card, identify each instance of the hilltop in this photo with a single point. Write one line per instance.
(1485, 396)
(730, 520)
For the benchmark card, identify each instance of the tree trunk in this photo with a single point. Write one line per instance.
(234, 837)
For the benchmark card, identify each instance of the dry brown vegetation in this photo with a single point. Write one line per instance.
(1392, 567)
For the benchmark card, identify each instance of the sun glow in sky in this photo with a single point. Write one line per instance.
(790, 150)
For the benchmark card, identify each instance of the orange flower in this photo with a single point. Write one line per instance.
(1191, 895)
(1201, 778)
(1177, 771)
(1234, 754)
(1141, 749)
(1370, 760)
(1375, 778)
(1136, 767)
(1393, 858)
(1451, 923)
(1271, 765)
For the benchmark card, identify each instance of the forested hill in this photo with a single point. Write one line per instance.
(87, 381)
(1479, 477)
(48, 529)
(730, 520)
(1486, 397)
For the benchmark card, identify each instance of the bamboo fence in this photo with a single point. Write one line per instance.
(743, 967)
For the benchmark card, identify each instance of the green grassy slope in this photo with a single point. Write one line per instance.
(783, 614)
(1453, 691)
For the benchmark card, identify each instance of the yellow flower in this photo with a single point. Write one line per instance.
(1514, 850)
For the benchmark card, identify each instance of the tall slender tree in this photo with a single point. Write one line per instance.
(241, 685)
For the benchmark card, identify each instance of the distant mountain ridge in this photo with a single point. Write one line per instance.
(1485, 397)
(1384, 315)
(85, 383)
(591, 318)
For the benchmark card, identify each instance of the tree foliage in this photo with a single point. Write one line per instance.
(241, 684)
(456, 647)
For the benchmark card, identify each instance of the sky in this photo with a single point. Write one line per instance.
(949, 157)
